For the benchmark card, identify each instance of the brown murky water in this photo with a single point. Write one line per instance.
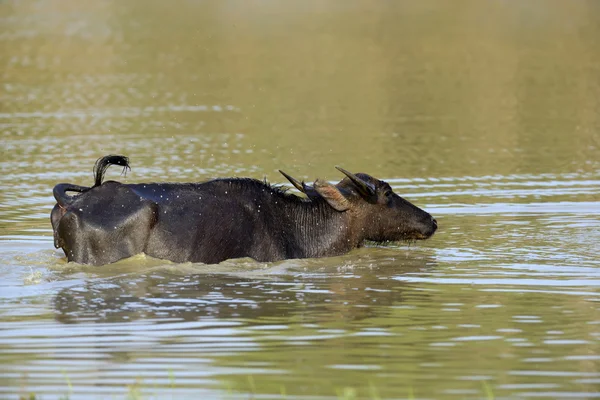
(485, 113)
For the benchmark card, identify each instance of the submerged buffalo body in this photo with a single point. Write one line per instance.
(228, 218)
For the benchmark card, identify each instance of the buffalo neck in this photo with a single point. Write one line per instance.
(318, 230)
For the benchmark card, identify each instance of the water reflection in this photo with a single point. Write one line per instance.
(284, 290)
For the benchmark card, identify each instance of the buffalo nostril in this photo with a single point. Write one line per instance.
(434, 223)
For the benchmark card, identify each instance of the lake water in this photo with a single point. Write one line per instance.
(484, 113)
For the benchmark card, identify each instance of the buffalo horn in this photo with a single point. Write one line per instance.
(297, 184)
(363, 187)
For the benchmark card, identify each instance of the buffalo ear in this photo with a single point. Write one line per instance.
(332, 195)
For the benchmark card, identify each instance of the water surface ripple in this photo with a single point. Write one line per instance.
(489, 124)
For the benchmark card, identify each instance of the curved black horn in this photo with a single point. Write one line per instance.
(308, 190)
(297, 184)
(363, 187)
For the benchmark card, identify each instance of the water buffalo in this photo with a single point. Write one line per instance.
(228, 218)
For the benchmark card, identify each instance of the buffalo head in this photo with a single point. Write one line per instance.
(375, 212)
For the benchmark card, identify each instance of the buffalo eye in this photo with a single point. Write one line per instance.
(388, 193)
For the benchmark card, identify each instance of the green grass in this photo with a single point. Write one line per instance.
(134, 391)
